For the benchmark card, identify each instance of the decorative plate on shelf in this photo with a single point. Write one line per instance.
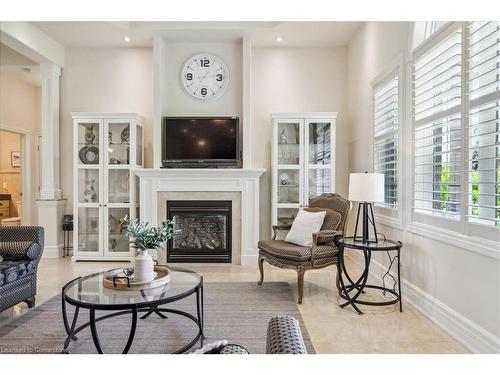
(89, 155)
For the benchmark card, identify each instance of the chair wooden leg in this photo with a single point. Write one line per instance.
(300, 282)
(261, 269)
(30, 302)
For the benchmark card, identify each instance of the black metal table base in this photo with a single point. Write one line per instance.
(352, 290)
(72, 330)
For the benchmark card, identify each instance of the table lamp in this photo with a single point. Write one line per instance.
(366, 188)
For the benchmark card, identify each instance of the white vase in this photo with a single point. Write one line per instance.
(143, 267)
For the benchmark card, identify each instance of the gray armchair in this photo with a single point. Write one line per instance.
(322, 253)
(21, 248)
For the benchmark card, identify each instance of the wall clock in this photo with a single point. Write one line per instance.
(204, 76)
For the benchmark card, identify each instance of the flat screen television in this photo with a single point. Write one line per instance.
(201, 142)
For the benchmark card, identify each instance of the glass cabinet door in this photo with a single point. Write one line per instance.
(88, 186)
(319, 138)
(289, 142)
(320, 182)
(88, 137)
(286, 216)
(118, 186)
(88, 230)
(118, 142)
(118, 242)
(288, 186)
(139, 150)
(319, 150)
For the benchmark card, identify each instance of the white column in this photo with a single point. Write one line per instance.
(50, 189)
(247, 102)
(50, 205)
(159, 86)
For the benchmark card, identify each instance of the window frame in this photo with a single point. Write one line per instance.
(468, 233)
(388, 215)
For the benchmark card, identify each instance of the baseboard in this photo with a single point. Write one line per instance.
(51, 252)
(249, 259)
(464, 330)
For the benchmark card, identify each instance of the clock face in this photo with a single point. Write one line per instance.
(204, 76)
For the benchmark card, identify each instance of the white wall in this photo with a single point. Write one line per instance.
(466, 282)
(104, 80)
(296, 80)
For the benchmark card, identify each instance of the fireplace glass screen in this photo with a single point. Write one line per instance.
(203, 231)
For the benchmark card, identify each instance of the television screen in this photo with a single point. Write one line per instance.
(200, 139)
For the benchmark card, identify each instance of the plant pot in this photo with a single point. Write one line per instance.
(143, 267)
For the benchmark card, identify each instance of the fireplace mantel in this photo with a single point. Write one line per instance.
(245, 181)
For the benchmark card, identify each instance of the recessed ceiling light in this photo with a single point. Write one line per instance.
(279, 38)
(127, 39)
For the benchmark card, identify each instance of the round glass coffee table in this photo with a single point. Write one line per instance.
(89, 293)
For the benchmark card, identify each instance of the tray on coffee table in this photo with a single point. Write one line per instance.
(116, 280)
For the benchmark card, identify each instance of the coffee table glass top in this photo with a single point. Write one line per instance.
(90, 290)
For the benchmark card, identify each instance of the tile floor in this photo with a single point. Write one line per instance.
(332, 329)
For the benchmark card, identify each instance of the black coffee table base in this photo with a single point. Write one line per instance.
(72, 330)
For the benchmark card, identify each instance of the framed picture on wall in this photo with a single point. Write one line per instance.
(15, 159)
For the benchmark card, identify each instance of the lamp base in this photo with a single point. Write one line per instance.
(364, 236)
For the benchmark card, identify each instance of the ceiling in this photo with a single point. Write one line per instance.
(307, 34)
(111, 34)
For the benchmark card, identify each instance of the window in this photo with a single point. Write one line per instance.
(424, 29)
(483, 70)
(437, 128)
(456, 123)
(386, 127)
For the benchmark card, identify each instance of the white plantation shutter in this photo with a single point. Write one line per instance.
(483, 123)
(437, 111)
(386, 143)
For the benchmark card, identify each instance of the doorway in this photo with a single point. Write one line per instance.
(15, 176)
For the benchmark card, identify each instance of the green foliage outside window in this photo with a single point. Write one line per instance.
(445, 186)
(475, 191)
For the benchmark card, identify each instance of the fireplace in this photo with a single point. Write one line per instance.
(203, 231)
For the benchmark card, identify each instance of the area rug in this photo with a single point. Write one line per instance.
(238, 312)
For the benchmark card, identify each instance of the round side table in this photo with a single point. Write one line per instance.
(351, 290)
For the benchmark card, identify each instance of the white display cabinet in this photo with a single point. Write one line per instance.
(303, 161)
(107, 146)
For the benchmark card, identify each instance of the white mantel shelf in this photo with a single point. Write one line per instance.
(196, 173)
(243, 180)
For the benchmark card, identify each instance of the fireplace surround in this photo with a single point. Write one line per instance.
(241, 186)
(203, 231)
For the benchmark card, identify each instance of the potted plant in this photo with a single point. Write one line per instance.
(144, 237)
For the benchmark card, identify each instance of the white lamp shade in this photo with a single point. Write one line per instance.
(366, 187)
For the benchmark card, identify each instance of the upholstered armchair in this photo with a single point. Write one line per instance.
(322, 253)
(21, 248)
